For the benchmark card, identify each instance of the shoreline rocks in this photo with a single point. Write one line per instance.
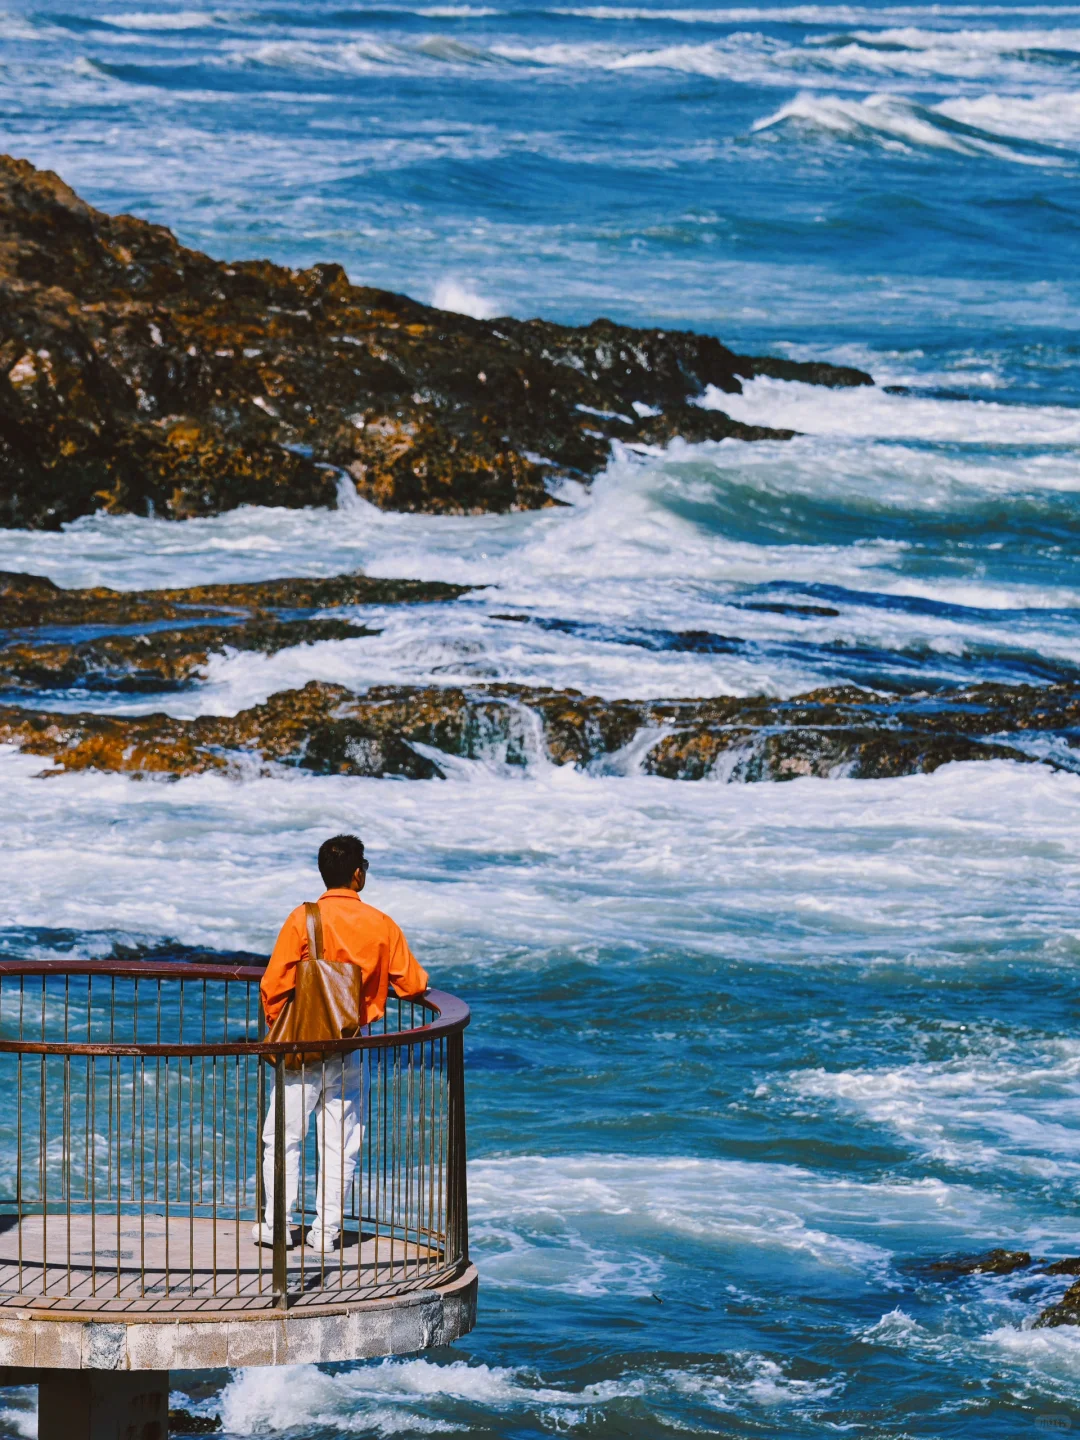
(414, 731)
(264, 616)
(138, 376)
(159, 641)
(991, 1262)
(156, 663)
(33, 601)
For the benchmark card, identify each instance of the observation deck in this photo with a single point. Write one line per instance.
(145, 1132)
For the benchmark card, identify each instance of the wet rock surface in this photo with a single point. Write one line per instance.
(162, 661)
(33, 601)
(416, 732)
(990, 1262)
(1065, 1312)
(139, 376)
(45, 646)
(1070, 1266)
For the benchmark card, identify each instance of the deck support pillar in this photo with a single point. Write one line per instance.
(103, 1404)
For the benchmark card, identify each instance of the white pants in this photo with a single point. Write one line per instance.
(336, 1090)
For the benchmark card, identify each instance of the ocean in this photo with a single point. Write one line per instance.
(746, 1060)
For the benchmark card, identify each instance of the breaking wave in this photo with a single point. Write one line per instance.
(964, 127)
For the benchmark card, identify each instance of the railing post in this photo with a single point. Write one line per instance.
(457, 1195)
(281, 1275)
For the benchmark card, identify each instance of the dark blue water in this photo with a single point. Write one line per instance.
(746, 1059)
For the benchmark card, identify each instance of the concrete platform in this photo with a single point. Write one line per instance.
(209, 1340)
(137, 1264)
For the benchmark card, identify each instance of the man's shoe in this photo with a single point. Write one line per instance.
(264, 1235)
(321, 1240)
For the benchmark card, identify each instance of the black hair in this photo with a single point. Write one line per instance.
(339, 859)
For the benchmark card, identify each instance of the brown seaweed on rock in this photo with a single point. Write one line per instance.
(406, 730)
(1065, 1311)
(139, 376)
(159, 661)
(30, 601)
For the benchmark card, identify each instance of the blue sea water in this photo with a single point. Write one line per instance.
(745, 1059)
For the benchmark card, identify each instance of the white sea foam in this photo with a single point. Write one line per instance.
(416, 1396)
(457, 12)
(1002, 1106)
(389, 1397)
(19, 27)
(756, 1379)
(22, 1419)
(1017, 56)
(1055, 1353)
(352, 57)
(162, 20)
(463, 298)
(867, 411)
(858, 60)
(860, 873)
(996, 42)
(475, 644)
(812, 15)
(1052, 118)
(663, 543)
(895, 122)
(645, 1208)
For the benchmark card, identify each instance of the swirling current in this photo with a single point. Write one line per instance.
(745, 1058)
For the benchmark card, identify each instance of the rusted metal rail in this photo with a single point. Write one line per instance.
(136, 1152)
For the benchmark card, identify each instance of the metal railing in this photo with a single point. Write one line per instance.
(146, 1130)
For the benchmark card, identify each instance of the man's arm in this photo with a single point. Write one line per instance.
(407, 975)
(279, 977)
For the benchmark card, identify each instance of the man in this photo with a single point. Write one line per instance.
(357, 934)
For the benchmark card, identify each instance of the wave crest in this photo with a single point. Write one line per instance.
(894, 123)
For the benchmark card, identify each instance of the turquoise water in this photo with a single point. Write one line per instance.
(745, 1059)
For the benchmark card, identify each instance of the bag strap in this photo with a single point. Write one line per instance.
(314, 930)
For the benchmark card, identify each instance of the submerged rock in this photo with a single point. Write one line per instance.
(137, 375)
(411, 731)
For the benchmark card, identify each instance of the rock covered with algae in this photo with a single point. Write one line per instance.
(139, 376)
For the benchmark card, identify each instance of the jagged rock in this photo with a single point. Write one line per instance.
(183, 1422)
(402, 730)
(28, 601)
(1063, 1267)
(139, 376)
(1065, 1312)
(159, 661)
(693, 424)
(991, 1262)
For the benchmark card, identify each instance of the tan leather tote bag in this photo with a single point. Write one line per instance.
(325, 1004)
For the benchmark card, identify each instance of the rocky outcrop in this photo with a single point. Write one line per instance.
(161, 661)
(1068, 1266)
(139, 376)
(33, 601)
(415, 731)
(161, 640)
(1065, 1312)
(264, 616)
(990, 1262)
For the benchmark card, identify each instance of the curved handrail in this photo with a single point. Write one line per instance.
(166, 1141)
(135, 969)
(452, 1015)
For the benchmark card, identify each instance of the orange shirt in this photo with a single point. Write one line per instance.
(352, 931)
